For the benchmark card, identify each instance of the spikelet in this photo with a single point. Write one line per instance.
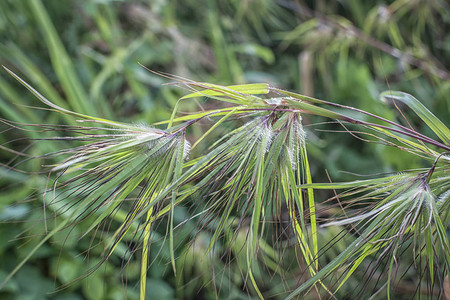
(443, 197)
(186, 150)
(299, 132)
(296, 140)
(267, 134)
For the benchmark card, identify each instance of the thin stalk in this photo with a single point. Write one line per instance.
(214, 127)
(145, 251)
(413, 134)
(376, 117)
(406, 131)
(312, 208)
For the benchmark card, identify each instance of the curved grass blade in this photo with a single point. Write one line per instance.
(145, 254)
(63, 110)
(237, 92)
(224, 118)
(442, 131)
(61, 61)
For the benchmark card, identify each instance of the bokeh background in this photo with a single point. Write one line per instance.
(85, 55)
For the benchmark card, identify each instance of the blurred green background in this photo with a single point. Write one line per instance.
(85, 55)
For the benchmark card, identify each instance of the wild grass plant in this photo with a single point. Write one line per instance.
(223, 199)
(130, 177)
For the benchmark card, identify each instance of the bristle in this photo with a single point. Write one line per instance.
(69, 163)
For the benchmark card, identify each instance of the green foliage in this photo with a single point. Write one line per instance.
(94, 202)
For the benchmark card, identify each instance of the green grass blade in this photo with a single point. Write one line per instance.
(224, 118)
(315, 110)
(356, 183)
(312, 206)
(63, 110)
(145, 255)
(216, 90)
(33, 72)
(430, 252)
(229, 94)
(176, 174)
(439, 128)
(299, 96)
(61, 61)
(214, 112)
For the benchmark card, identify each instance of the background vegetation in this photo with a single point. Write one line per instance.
(83, 55)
